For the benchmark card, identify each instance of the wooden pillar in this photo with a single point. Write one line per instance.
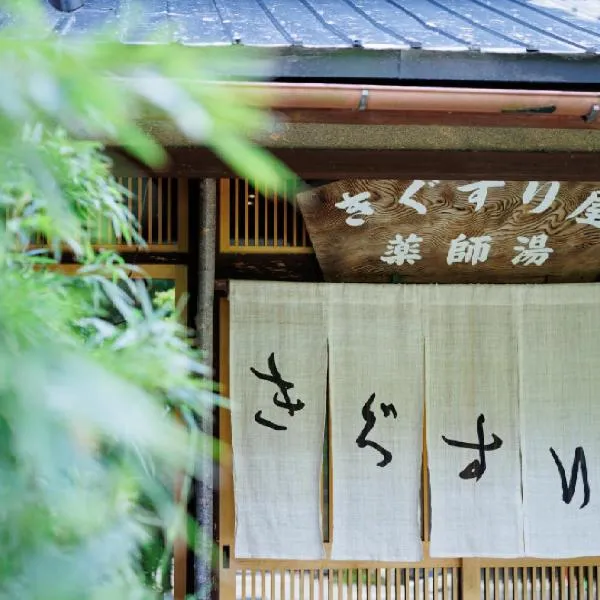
(205, 261)
(471, 579)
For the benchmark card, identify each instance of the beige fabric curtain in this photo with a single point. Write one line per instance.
(472, 386)
(559, 366)
(376, 401)
(278, 378)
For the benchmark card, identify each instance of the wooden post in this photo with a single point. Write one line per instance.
(471, 579)
(206, 224)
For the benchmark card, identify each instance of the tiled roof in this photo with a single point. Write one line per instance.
(427, 28)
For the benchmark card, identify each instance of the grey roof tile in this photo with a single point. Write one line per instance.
(459, 28)
(451, 25)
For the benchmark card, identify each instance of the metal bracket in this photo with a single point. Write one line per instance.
(364, 98)
(593, 114)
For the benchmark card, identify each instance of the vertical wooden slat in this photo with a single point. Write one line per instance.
(445, 583)
(236, 208)
(118, 235)
(544, 583)
(159, 208)
(426, 584)
(225, 221)
(275, 223)
(246, 215)
(563, 583)
(295, 220)
(273, 584)
(486, 585)
(454, 583)
(182, 214)
(169, 201)
(256, 217)
(292, 584)
(243, 584)
(553, 592)
(150, 212)
(496, 583)
(285, 216)
(388, 584)
(103, 237)
(369, 595)
(586, 583)
(266, 232)
(378, 584)
(130, 195)
(572, 584)
(320, 597)
(140, 192)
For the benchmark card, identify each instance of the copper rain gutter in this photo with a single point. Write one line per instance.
(491, 107)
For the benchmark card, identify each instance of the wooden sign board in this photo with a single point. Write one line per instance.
(415, 231)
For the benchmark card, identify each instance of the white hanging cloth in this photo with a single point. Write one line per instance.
(472, 400)
(278, 379)
(376, 402)
(559, 343)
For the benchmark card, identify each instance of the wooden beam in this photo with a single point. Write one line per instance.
(280, 267)
(444, 119)
(330, 164)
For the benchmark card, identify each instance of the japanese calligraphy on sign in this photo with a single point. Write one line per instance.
(455, 231)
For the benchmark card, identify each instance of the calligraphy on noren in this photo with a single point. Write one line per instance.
(274, 377)
(579, 464)
(476, 468)
(370, 419)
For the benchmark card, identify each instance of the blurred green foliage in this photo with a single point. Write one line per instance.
(93, 370)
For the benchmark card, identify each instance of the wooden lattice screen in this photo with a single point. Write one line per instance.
(431, 579)
(255, 219)
(159, 205)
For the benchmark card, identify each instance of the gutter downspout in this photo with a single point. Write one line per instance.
(289, 96)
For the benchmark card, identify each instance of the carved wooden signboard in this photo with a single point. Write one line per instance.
(455, 231)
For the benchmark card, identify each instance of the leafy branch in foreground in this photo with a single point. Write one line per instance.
(99, 387)
(90, 443)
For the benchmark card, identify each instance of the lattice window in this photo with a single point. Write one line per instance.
(160, 206)
(343, 583)
(257, 219)
(545, 581)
